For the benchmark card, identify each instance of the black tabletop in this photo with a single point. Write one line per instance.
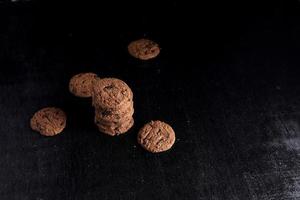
(227, 80)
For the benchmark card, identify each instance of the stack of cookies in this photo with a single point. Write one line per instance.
(113, 102)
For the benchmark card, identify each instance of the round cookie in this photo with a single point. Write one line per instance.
(111, 94)
(49, 121)
(156, 136)
(143, 49)
(81, 84)
(114, 116)
(116, 130)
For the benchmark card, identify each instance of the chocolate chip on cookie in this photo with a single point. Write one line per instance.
(143, 49)
(49, 121)
(81, 84)
(156, 136)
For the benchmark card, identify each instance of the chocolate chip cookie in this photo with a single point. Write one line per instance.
(111, 93)
(156, 136)
(114, 129)
(143, 49)
(81, 84)
(49, 121)
(107, 116)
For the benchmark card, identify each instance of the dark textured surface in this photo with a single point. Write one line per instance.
(227, 80)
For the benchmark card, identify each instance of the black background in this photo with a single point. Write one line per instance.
(227, 80)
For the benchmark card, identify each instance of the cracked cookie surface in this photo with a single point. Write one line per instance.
(111, 94)
(81, 84)
(49, 121)
(156, 136)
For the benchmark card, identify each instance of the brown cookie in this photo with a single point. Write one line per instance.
(112, 125)
(49, 121)
(114, 116)
(156, 136)
(143, 49)
(111, 94)
(116, 130)
(81, 84)
(113, 122)
(121, 109)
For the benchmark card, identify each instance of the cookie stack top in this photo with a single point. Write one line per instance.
(111, 94)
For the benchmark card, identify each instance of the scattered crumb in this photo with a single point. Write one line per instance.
(278, 87)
